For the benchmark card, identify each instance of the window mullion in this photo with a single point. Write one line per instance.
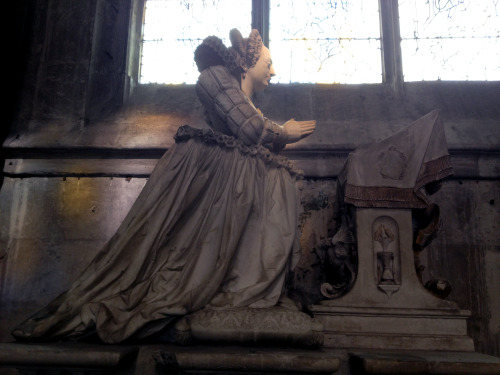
(392, 67)
(260, 19)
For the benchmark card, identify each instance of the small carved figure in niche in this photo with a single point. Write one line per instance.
(386, 249)
(206, 232)
(384, 236)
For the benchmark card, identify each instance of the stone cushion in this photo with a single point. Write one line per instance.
(265, 326)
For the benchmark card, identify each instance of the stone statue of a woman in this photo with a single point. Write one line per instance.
(215, 227)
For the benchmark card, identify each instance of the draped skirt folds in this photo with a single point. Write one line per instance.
(214, 227)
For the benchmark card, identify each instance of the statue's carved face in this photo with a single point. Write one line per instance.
(263, 70)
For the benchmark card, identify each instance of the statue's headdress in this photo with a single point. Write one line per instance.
(248, 49)
(241, 56)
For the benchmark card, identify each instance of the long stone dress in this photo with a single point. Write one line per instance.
(215, 227)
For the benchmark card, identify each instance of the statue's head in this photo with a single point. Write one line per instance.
(253, 57)
(246, 57)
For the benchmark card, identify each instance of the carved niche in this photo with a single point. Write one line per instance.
(386, 254)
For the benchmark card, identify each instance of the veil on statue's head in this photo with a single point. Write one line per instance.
(241, 56)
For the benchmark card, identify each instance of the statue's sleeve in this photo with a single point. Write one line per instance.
(219, 92)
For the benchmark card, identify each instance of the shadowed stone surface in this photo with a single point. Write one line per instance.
(75, 358)
(401, 363)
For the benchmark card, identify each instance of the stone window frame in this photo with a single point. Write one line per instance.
(392, 70)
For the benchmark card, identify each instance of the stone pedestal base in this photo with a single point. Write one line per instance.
(390, 314)
(394, 329)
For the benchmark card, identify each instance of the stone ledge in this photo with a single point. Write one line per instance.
(415, 362)
(65, 355)
(324, 164)
(79, 358)
(246, 360)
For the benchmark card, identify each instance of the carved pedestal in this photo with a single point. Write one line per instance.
(388, 308)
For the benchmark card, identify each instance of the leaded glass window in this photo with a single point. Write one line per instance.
(329, 41)
(450, 39)
(325, 41)
(174, 28)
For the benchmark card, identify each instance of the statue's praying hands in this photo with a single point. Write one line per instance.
(297, 130)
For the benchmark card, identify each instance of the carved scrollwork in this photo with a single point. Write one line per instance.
(341, 262)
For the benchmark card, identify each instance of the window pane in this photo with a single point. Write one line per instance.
(450, 40)
(174, 28)
(325, 41)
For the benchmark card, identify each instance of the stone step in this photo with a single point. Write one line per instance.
(425, 362)
(79, 358)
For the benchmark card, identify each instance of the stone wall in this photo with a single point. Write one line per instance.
(80, 149)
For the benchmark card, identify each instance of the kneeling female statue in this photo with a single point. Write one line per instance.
(215, 226)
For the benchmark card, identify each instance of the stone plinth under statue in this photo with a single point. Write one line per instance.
(391, 314)
(388, 307)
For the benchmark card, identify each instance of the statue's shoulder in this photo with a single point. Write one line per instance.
(218, 77)
(214, 81)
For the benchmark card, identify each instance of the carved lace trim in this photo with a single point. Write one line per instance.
(394, 197)
(434, 170)
(391, 197)
(210, 137)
